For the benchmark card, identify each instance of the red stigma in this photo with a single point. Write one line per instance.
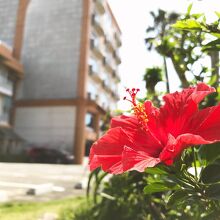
(132, 92)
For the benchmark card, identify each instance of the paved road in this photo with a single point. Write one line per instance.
(41, 182)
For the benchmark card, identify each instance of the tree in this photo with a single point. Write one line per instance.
(178, 45)
(152, 77)
(212, 47)
(161, 22)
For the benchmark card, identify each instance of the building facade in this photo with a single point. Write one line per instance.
(70, 53)
(10, 72)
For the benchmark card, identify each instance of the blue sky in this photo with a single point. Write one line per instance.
(133, 18)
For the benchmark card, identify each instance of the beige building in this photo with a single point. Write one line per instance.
(70, 53)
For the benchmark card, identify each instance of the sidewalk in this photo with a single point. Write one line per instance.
(41, 182)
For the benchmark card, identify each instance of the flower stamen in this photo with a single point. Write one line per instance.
(138, 108)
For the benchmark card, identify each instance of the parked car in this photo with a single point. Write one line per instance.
(49, 155)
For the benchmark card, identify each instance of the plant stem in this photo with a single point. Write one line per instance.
(194, 162)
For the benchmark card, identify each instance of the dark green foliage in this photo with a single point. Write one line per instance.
(152, 77)
(169, 193)
(211, 174)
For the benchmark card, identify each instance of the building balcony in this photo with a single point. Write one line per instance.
(92, 97)
(95, 48)
(116, 76)
(97, 24)
(109, 44)
(8, 60)
(106, 87)
(117, 57)
(99, 4)
(118, 39)
(94, 74)
(115, 96)
(107, 64)
(104, 84)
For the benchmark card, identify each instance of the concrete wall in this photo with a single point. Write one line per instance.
(47, 126)
(8, 18)
(51, 49)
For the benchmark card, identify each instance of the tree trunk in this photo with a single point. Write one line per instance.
(166, 74)
(180, 73)
(214, 55)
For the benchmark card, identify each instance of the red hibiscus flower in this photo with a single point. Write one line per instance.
(154, 135)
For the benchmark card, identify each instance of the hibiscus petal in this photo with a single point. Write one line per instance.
(176, 146)
(201, 91)
(127, 122)
(209, 127)
(107, 151)
(141, 139)
(175, 101)
(154, 125)
(180, 107)
(137, 160)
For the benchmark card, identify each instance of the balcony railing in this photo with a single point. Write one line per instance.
(107, 64)
(94, 74)
(94, 45)
(115, 96)
(116, 76)
(97, 24)
(118, 40)
(100, 6)
(93, 97)
(117, 57)
(106, 87)
(109, 44)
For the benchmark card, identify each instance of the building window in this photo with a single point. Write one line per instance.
(94, 64)
(89, 120)
(92, 91)
(6, 84)
(5, 109)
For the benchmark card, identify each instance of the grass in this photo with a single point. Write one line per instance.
(35, 210)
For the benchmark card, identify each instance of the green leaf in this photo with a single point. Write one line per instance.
(213, 191)
(189, 9)
(215, 34)
(177, 197)
(218, 14)
(155, 170)
(214, 214)
(213, 80)
(209, 152)
(211, 174)
(189, 24)
(197, 16)
(183, 183)
(157, 187)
